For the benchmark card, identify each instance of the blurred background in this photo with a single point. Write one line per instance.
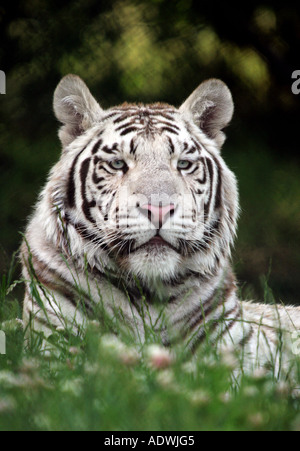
(161, 50)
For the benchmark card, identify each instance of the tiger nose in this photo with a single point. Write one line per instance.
(157, 214)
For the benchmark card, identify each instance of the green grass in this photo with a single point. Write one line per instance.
(101, 382)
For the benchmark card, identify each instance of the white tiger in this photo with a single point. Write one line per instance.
(139, 216)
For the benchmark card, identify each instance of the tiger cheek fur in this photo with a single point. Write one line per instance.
(142, 202)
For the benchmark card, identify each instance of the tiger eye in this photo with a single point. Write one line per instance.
(117, 164)
(184, 164)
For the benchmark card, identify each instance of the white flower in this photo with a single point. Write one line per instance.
(74, 350)
(12, 325)
(283, 388)
(200, 397)
(256, 419)
(251, 391)
(259, 373)
(229, 360)
(159, 357)
(127, 355)
(7, 404)
(74, 386)
(165, 378)
(112, 343)
(225, 397)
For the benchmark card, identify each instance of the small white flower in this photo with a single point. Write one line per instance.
(229, 360)
(259, 373)
(190, 367)
(200, 397)
(12, 325)
(74, 386)
(74, 350)
(29, 365)
(225, 397)
(283, 388)
(7, 404)
(251, 391)
(159, 357)
(42, 421)
(127, 355)
(256, 419)
(112, 343)
(7, 378)
(165, 378)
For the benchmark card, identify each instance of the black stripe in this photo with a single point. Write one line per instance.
(71, 182)
(125, 115)
(110, 115)
(197, 191)
(97, 179)
(165, 114)
(246, 338)
(218, 195)
(194, 170)
(110, 150)
(56, 282)
(210, 233)
(210, 326)
(86, 205)
(106, 170)
(211, 181)
(168, 124)
(89, 236)
(169, 129)
(172, 148)
(96, 146)
(126, 124)
(203, 180)
(132, 147)
(128, 130)
(192, 150)
(198, 147)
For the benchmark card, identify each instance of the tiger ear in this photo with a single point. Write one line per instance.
(211, 108)
(75, 107)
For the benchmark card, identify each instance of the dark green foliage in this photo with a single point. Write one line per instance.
(147, 51)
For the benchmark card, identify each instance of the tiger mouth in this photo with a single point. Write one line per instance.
(157, 242)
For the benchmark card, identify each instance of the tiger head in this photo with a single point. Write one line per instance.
(143, 189)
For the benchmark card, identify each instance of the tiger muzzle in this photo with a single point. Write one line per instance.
(157, 214)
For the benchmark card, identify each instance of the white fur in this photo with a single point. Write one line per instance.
(65, 243)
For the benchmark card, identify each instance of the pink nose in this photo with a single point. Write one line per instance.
(157, 214)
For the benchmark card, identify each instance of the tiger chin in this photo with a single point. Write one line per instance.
(139, 215)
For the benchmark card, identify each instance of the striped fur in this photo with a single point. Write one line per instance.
(92, 239)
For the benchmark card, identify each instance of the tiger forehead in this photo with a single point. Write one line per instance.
(157, 106)
(144, 119)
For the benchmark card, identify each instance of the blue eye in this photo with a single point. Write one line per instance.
(184, 164)
(118, 164)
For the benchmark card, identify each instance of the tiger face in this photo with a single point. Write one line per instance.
(146, 185)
